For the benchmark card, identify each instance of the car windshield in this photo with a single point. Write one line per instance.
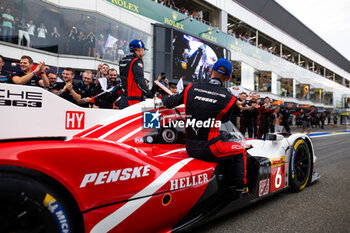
(230, 132)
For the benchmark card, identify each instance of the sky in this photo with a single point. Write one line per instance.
(330, 20)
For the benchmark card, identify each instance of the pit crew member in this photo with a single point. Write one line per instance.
(26, 76)
(67, 89)
(52, 80)
(5, 76)
(87, 89)
(307, 117)
(286, 113)
(105, 99)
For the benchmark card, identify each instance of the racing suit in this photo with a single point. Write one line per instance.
(133, 81)
(210, 102)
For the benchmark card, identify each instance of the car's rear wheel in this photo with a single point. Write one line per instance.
(27, 205)
(300, 165)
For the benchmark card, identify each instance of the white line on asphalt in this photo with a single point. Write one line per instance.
(330, 134)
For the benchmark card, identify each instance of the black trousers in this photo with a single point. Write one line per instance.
(263, 127)
(235, 169)
(250, 124)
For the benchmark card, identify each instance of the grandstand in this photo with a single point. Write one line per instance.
(273, 53)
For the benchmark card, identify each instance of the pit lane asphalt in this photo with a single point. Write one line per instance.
(322, 207)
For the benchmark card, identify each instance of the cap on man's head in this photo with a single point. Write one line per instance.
(135, 44)
(221, 62)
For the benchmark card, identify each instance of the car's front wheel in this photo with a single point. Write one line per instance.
(300, 165)
(27, 205)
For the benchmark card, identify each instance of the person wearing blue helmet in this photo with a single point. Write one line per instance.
(212, 104)
(131, 73)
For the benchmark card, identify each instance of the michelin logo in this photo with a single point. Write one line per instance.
(151, 120)
(56, 209)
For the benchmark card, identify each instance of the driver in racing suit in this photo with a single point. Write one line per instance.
(211, 101)
(131, 73)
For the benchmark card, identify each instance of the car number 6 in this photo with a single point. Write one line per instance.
(278, 180)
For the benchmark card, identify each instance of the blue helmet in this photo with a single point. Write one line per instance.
(137, 44)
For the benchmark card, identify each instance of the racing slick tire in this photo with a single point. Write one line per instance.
(27, 205)
(300, 166)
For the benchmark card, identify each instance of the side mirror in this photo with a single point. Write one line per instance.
(274, 137)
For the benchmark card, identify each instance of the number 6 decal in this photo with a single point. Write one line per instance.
(278, 180)
(277, 177)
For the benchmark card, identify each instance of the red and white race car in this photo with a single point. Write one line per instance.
(118, 176)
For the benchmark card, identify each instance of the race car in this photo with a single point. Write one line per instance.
(131, 173)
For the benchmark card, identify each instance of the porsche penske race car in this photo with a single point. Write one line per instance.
(129, 174)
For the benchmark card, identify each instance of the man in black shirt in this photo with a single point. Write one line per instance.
(37, 77)
(67, 89)
(307, 117)
(286, 114)
(107, 97)
(208, 101)
(87, 89)
(254, 115)
(265, 111)
(23, 32)
(5, 76)
(249, 116)
(52, 80)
